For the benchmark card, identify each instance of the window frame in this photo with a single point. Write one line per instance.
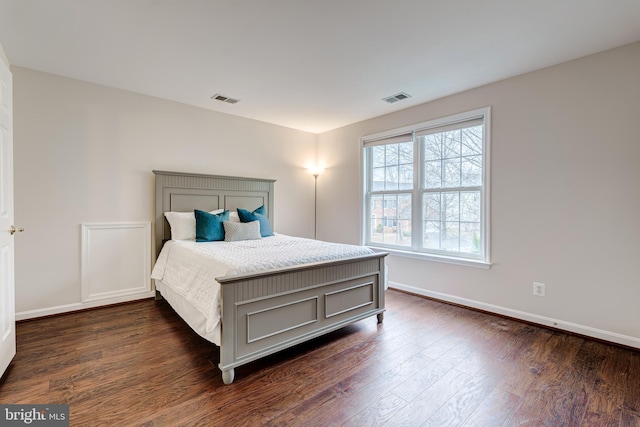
(417, 250)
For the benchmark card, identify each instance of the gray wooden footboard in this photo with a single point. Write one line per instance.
(269, 311)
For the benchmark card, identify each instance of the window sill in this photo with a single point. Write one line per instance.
(436, 258)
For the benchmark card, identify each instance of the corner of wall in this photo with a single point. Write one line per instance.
(3, 56)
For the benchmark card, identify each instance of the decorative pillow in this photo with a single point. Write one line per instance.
(209, 226)
(233, 217)
(183, 224)
(257, 215)
(235, 231)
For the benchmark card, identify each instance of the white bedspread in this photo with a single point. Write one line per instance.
(190, 269)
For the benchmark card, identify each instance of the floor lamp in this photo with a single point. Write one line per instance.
(315, 204)
(315, 171)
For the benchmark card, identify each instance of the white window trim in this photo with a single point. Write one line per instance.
(467, 262)
(484, 262)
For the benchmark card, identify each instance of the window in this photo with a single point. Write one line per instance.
(426, 188)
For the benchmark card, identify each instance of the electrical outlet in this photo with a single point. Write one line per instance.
(538, 289)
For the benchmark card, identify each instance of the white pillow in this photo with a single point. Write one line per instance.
(235, 231)
(183, 224)
(234, 217)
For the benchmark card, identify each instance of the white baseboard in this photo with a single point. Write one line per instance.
(49, 311)
(528, 317)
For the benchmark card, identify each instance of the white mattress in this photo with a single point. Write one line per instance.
(186, 271)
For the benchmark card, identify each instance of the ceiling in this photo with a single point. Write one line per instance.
(305, 64)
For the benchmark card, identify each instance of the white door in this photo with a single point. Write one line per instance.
(7, 298)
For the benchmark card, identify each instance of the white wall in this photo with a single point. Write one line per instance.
(3, 56)
(85, 153)
(565, 196)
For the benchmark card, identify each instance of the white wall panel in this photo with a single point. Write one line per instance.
(116, 260)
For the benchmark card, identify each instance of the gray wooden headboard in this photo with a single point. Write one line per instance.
(184, 192)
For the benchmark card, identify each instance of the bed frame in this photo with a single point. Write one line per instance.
(266, 312)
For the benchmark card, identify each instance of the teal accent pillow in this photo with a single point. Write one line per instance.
(209, 227)
(259, 214)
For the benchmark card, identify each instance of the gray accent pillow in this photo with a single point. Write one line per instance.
(235, 231)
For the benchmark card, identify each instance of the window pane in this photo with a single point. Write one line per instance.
(451, 221)
(406, 177)
(451, 144)
(393, 225)
(451, 236)
(376, 218)
(432, 147)
(431, 238)
(451, 206)
(451, 173)
(390, 217)
(431, 206)
(378, 156)
(471, 171)
(392, 167)
(378, 179)
(453, 158)
(472, 141)
(391, 153)
(391, 178)
(405, 151)
(470, 206)
(403, 233)
(390, 202)
(404, 206)
(433, 174)
(470, 237)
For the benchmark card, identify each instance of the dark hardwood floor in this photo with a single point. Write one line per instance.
(428, 364)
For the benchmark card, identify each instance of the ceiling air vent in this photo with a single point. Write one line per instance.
(397, 97)
(226, 99)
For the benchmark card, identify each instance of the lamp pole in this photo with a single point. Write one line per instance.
(315, 205)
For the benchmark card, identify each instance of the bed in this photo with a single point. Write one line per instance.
(260, 310)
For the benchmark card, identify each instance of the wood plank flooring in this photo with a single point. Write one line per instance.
(428, 364)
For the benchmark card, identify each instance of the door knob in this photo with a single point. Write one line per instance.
(13, 230)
